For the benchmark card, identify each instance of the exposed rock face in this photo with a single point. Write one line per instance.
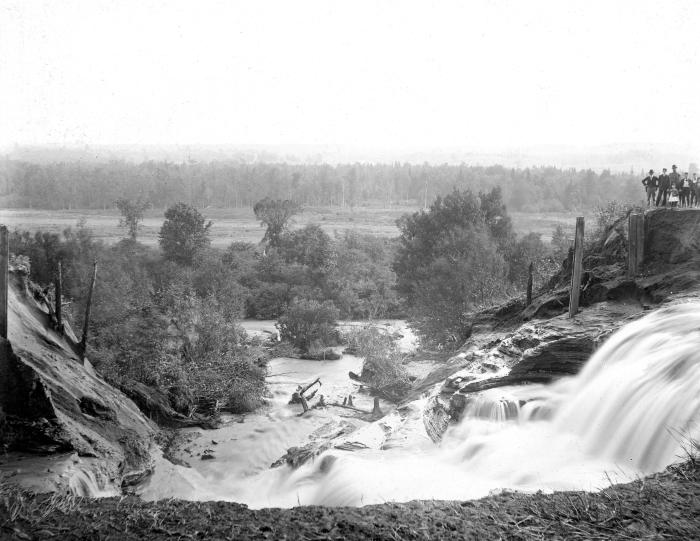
(540, 352)
(54, 402)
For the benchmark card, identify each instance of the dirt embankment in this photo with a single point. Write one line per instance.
(62, 425)
(665, 506)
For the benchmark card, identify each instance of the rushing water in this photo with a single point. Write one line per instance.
(631, 411)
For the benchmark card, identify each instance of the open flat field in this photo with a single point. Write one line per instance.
(240, 224)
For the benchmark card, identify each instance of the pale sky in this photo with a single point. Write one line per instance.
(387, 73)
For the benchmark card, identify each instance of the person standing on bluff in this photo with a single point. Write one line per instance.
(696, 188)
(675, 177)
(664, 185)
(650, 182)
(685, 190)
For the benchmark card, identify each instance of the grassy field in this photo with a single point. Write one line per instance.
(240, 224)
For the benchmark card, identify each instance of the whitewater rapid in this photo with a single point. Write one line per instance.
(632, 410)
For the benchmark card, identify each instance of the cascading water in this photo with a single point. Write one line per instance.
(631, 411)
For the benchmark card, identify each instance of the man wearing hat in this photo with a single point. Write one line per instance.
(664, 185)
(675, 178)
(650, 182)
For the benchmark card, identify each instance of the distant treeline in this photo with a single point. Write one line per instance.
(76, 185)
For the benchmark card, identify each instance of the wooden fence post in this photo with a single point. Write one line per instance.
(640, 241)
(635, 244)
(4, 279)
(86, 323)
(58, 286)
(529, 285)
(577, 269)
(631, 245)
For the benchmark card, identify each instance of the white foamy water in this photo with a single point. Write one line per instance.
(629, 412)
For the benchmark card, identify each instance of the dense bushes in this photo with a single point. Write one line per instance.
(309, 325)
(353, 271)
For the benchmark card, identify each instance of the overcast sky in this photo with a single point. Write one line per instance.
(385, 73)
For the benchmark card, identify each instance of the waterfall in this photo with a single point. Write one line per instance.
(631, 411)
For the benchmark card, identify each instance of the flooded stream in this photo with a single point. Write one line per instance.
(631, 411)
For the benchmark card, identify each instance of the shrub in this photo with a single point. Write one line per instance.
(309, 322)
(606, 216)
(268, 302)
(367, 340)
(386, 375)
(383, 369)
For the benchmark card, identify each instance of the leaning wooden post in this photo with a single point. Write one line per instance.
(59, 300)
(577, 269)
(4, 279)
(529, 285)
(86, 323)
(632, 245)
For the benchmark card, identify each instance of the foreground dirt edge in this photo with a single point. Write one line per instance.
(663, 506)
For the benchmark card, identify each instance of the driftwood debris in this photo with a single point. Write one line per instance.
(300, 397)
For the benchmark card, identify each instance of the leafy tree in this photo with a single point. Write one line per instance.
(496, 217)
(422, 231)
(561, 242)
(468, 273)
(529, 249)
(275, 215)
(132, 214)
(448, 263)
(184, 234)
(310, 246)
(362, 283)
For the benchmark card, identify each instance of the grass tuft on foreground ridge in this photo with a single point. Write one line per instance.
(662, 506)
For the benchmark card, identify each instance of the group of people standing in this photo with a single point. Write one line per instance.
(672, 189)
